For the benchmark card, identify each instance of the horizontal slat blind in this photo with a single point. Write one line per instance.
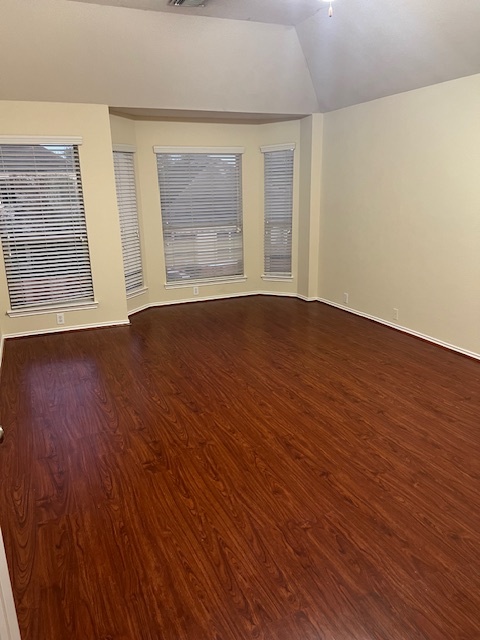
(201, 199)
(127, 209)
(42, 226)
(278, 212)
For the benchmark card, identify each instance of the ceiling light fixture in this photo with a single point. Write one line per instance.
(187, 3)
(330, 8)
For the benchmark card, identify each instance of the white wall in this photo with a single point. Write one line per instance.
(75, 52)
(401, 210)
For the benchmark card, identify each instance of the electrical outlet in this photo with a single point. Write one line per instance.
(345, 298)
(395, 313)
(60, 318)
(195, 291)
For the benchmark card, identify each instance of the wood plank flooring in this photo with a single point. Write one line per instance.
(258, 468)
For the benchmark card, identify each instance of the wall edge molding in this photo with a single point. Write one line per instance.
(62, 329)
(397, 327)
(225, 296)
(166, 303)
(362, 314)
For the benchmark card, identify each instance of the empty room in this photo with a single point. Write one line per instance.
(239, 320)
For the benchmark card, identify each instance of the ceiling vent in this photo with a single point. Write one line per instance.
(187, 3)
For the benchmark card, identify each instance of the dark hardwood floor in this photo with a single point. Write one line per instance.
(255, 468)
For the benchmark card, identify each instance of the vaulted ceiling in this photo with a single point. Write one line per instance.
(239, 56)
(370, 48)
(286, 12)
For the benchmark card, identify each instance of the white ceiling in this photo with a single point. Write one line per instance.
(369, 49)
(264, 58)
(186, 115)
(375, 48)
(78, 52)
(287, 12)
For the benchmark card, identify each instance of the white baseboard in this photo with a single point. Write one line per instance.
(62, 329)
(306, 298)
(398, 327)
(220, 297)
(166, 303)
(392, 325)
(283, 294)
(98, 325)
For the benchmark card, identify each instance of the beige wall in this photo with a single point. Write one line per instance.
(76, 52)
(91, 122)
(99, 133)
(390, 217)
(401, 210)
(146, 134)
(123, 132)
(270, 134)
(311, 135)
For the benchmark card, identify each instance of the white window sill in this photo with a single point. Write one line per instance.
(204, 282)
(275, 278)
(137, 292)
(35, 311)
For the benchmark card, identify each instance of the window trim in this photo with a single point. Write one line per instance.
(289, 146)
(137, 292)
(270, 277)
(36, 311)
(233, 151)
(124, 148)
(214, 150)
(142, 288)
(205, 282)
(73, 141)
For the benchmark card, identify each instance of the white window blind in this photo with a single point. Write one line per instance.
(201, 200)
(278, 212)
(127, 209)
(42, 226)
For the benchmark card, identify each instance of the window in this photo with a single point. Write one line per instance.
(201, 199)
(42, 226)
(278, 164)
(127, 209)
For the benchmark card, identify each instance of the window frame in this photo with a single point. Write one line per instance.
(77, 219)
(238, 223)
(266, 150)
(124, 211)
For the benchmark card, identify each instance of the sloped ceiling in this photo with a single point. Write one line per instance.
(62, 51)
(370, 48)
(286, 12)
(375, 48)
(238, 56)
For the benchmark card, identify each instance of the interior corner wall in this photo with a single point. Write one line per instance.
(271, 134)
(304, 203)
(123, 132)
(91, 123)
(145, 134)
(311, 149)
(400, 210)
